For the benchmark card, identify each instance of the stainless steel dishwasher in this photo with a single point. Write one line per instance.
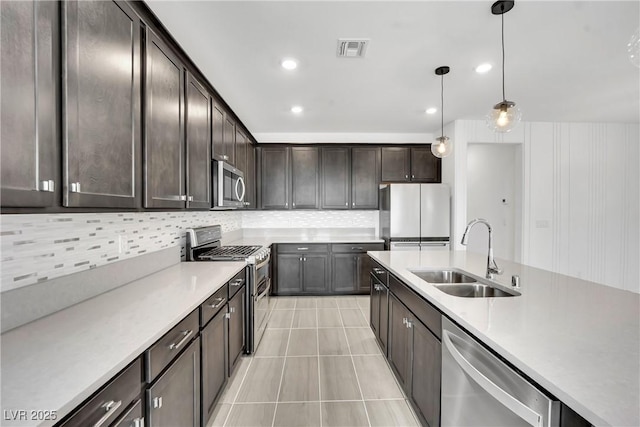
(478, 389)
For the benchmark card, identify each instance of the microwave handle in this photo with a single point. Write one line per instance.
(240, 197)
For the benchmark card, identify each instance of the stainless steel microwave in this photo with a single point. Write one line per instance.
(228, 186)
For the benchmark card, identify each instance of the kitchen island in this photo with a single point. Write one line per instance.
(578, 340)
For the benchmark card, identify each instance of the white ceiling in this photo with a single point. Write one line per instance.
(565, 61)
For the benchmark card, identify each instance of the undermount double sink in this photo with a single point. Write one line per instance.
(461, 284)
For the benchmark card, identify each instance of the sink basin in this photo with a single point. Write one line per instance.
(444, 276)
(459, 284)
(473, 290)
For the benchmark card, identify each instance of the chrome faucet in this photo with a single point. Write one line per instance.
(492, 267)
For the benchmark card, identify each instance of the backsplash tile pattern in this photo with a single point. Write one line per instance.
(310, 219)
(35, 248)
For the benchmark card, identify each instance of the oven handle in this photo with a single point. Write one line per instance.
(264, 262)
(264, 294)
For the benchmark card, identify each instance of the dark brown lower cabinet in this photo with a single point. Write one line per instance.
(133, 416)
(350, 273)
(379, 312)
(236, 328)
(302, 269)
(414, 354)
(174, 398)
(214, 362)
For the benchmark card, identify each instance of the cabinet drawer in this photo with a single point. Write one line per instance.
(380, 273)
(302, 248)
(112, 401)
(357, 247)
(237, 283)
(213, 305)
(170, 345)
(422, 309)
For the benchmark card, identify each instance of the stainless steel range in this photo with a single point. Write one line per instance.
(203, 244)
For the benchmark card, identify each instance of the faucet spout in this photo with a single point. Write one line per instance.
(492, 267)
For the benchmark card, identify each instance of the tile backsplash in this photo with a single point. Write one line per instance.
(35, 248)
(40, 247)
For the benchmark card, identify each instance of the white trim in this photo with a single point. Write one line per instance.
(344, 137)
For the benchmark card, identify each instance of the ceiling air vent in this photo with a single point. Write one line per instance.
(352, 48)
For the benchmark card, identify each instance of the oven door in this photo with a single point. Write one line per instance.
(260, 311)
(228, 186)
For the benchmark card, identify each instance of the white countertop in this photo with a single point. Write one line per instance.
(577, 339)
(55, 363)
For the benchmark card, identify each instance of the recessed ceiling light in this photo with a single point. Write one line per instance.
(289, 64)
(483, 68)
(296, 109)
(431, 110)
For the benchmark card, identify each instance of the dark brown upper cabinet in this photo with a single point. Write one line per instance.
(217, 131)
(241, 151)
(101, 128)
(305, 180)
(274, 168)
(410, 164)
(224, 134)
(164, 124)
(29, 100)
(229, 139)
(336, 177)
(365, 177)
(250, 177)
(198, 124)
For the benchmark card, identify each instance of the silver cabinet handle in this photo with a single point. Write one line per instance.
(47, 185)
(190, 199)
(183, 197)
(502, 396)
(220, 302)
(346, 204)
(303, 249)
(378, 270)
(406, 177)
(409, 324)
(227, 315)
(157, 402)
(138, 422)
(110, 408)
(232, 310)
(404, 320)
(185, 337)
(413, 176)
(225, 157)
(293, 204)
(353, 205)
(74, 187)
(236, 282)
(356, 248)
(286, 204)
(300, 259)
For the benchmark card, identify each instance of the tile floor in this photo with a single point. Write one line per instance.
(318, 365)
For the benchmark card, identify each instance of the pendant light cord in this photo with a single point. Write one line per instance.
(504, 98)
(442, 106)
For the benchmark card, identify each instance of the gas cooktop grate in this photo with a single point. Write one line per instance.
(229, 252)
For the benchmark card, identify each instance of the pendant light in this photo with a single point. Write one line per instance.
(442, 147)
(505, 115)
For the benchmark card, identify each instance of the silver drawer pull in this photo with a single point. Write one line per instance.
(220, 302)
(356, 248)
(110, 408)
(303, 249)
(157, 402)
(190, 199)
(74, 187)
(47, 185)
(138, 422)
(236, 282)
(185, 336)
(378, 271)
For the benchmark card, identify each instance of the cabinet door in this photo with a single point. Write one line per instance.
(28, 97)
(214, 362)
(399, 351)
(236, 328)
(335, 178)
(289, 274)
(101, 127)
(198, 122)
(426, 367)
(229, 139)
(304, 177)
(241, 151)
(365, 178)
(274, 181)
(217, 131)
(425, 167)
(396, 164)
(315, 273)
(344, 272)
(250, 177)
(383, 335)
(174, 399)
(164, 144)
(364, 266)
(374, 306)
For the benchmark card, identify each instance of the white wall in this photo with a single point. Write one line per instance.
(581, 196)
(493, 193)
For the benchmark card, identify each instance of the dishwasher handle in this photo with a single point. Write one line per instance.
(530, 416)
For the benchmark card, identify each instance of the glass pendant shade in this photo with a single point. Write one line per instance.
(633, 48)
(504, 116)
(442, 147)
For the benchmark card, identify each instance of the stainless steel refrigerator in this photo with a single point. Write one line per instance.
(415, 216)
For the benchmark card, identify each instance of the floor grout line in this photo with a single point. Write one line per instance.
(235, 398)
(318, 358)
(284, 364)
